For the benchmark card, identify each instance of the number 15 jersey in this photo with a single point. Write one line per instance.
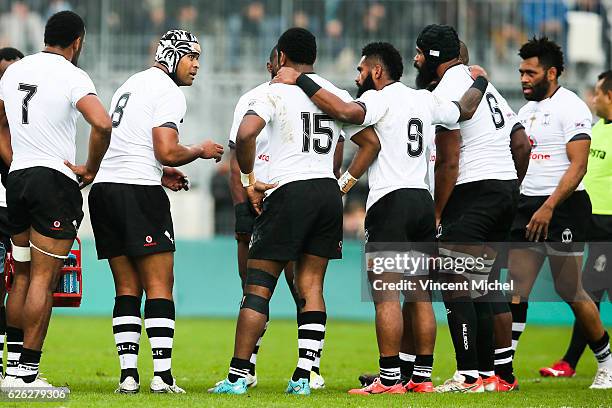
(146, 100)
(302, 139)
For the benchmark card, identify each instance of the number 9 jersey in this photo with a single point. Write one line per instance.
(40, 93)
(302, 139)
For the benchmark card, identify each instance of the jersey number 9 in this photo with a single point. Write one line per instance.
(415, 137)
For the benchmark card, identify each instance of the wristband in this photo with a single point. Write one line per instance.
(247, 179)
(346, 182)
(307, 85)
(481, 84)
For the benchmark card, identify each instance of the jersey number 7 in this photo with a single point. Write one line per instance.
(30, 90)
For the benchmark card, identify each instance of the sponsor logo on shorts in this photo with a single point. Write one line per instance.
(566, 236)
(439, 231)
(149, 241)
(464, 331)
(340, 246)
(600, 263)
(167, 234)
(57, 226)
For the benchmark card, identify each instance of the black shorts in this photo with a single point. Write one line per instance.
(44, 199)
(301, 217)
(5, 228)
(567, 230)
(130, 220)
(480, 211)
(597, 274)
(405, 215)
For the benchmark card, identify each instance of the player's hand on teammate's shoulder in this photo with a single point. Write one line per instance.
(211, 150)
(174, 179)
(256, 193)
(286, 75)
(477, 70)
(84, 176)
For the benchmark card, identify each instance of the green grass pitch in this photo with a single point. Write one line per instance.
(80, 352)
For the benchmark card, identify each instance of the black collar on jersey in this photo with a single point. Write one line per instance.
(553, 94)
(390, 83)
(53, 53)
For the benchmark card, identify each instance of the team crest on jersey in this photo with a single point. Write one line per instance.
(566, 236)
(600, 263)
(546, 119)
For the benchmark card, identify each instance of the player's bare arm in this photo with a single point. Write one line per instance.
(347, 112)
(448, 144)
(6, 152)
(338, 156)
(99, 139)
(521, 149)
(236, 189)
(249, 129)
(578, 154)
(471, 98)
(369, 146)
(170, 152)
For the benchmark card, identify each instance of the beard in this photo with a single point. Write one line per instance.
(368, 84)
(75, 58)
(424, 77)
(538, 90)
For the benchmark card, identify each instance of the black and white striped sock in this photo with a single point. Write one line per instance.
(316, 366)
(256, 350)
(29, 362)
(159, 323)
(601, 349)
(14, 343)
(423, 365)
(519, 320)
(389, 370)
(406, 365)
(311, 329)
(127, 326)
(503, 364)
(239, 368)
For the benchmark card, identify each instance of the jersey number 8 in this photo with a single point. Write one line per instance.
(118, 112)
(496, 113)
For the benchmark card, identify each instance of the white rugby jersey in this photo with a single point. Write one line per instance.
(431, 166)
(262, 155)
(550, 125)
(40, 93)
(301, 138)
(146, 100)
(485, 153)
(2, 196)
(402, 118)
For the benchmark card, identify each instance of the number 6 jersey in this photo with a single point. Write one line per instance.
(485, 149)
(148, 99)
(40, 93)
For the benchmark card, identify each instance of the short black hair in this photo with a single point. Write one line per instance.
(606, 85)
(548, 52)
(388, 55)
(273, 52)
(10, 54)
(299, 45)
(63, 28)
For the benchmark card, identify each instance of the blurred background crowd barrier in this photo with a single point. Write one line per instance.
(237, 36)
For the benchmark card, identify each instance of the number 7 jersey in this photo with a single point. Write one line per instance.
(40, 93)
(302, 139)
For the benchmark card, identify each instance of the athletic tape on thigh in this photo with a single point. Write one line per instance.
(48, 253)
(258, 277)
(256, 303)
(21, 254)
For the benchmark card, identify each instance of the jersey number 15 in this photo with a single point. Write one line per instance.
(312, 125)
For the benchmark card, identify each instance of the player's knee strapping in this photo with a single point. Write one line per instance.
(21, 254)
(257, 277)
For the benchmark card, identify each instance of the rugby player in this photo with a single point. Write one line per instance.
(7, 57)
(475, 198)
(41, 97)
(245, 215)
(130, 212)
(597, 272)
(554, 208)
(301, 217)
(399, 206)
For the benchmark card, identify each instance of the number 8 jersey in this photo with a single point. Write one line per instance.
(485, 149)
(40, 93)
(148, 99)
(302, 139)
